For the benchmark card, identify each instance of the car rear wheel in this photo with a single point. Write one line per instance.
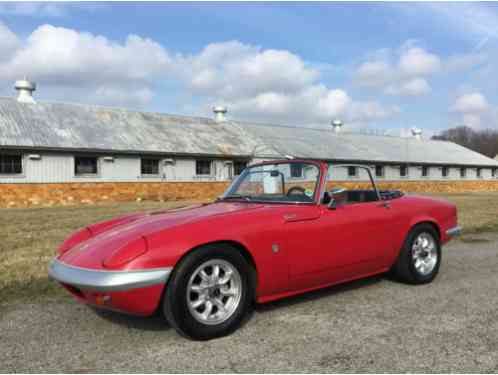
(210, 292)
(420, 257)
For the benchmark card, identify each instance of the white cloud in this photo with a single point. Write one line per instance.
(415, 61)
(233, 69)
(465, 61)
(313, 104)
(257, 83)
(9, 42)
(471, 107)
(470, 20)
(403, 72)
(316, 105)
(33, 9)
(413, 87)
(119, 96)
(472, 120)
(40, 9)
(470, 103)
(374, 73)
(56, 56)
(53, 54)
(269, 85)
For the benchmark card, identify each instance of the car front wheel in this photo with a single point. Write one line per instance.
(209, 293)
(420, 257)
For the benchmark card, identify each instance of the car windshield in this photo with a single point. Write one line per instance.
(292, 182)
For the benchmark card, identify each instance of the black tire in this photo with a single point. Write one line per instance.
(175, 303)
(404, 268)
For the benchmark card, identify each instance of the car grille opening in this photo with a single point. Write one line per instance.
(74, 291)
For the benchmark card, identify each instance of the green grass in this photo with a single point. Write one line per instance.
(29, 238)
(477, 212)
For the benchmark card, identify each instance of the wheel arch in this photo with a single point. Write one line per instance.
(427, 221)
(412, 225)
(240, 248)
(235, 244)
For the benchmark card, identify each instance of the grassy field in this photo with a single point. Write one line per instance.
(29, 237)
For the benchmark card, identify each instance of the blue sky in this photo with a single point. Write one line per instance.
(379, 66)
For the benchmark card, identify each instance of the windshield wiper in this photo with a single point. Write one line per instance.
(236, 196)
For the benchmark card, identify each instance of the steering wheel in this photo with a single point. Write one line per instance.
(296, 190)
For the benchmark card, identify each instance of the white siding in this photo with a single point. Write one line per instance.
(58, 167)
(121, 169)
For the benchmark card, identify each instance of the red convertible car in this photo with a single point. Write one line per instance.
(281, 228)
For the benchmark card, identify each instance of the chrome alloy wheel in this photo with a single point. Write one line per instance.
(424, 253)
(214, 291)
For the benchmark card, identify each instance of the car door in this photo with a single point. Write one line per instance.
(340, 243)
(359, 234)
(349, 238)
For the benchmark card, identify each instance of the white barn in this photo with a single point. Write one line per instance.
(44, 142)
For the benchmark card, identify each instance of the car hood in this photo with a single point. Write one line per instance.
(92, 252)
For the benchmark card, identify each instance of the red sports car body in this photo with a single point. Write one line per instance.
(288, 239)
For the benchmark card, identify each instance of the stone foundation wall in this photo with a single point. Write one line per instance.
(29, 195)
(32, 195)
(426, 186)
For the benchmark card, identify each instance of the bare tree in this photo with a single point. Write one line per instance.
(483, 141)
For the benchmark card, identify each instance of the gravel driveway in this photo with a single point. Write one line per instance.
(374, 325)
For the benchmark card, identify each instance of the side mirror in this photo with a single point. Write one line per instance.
(332, 204)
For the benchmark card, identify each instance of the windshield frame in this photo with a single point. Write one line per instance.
(236, 183)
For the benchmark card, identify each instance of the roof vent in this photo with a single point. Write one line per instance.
(417, 133)
(219, 113)
(25, 90)
(337, 125)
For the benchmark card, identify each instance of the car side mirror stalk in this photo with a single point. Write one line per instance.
(332, 204)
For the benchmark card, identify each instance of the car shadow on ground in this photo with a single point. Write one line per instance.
(158, 323)
(321, 293)
(146, 323)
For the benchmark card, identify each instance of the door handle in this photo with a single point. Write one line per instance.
(289, 217)
(385, 205)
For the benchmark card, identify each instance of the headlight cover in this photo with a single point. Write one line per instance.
(126, 254)
(80, 236)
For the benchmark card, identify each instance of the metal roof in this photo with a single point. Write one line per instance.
(326, 144)
(85, 127)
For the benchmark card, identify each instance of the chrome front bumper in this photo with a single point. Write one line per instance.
(455, 231)
(106, 281)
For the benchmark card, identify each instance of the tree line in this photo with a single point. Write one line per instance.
(483, 141)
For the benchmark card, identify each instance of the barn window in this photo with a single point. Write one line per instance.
(149, 166)
(10, 163)
(445, 171)
(403, 170)
(352, 171)
(425, 171)
(463, 172)
(379, 171)
(296, 170)
(493, 172)
(84, 165)
(479, 172)
(238, 167)
(203, 167)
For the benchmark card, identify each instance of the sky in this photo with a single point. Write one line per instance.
(378, 67)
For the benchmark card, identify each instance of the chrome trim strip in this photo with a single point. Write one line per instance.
(106, 281)
(455, 231)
